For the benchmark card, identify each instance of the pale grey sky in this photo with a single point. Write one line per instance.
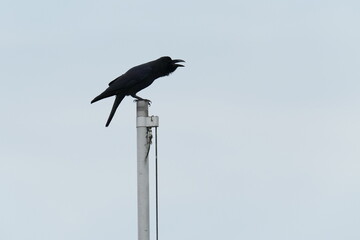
(259, 133)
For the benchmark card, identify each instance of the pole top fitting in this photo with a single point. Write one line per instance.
(152, 121)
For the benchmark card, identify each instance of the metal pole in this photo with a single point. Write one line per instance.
(143, 123)
(142, 174)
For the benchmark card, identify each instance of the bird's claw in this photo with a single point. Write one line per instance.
(147, 100)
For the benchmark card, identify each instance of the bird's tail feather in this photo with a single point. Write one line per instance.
(103, 95)
(117, 101)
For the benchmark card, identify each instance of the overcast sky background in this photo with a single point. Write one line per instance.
(259, 133)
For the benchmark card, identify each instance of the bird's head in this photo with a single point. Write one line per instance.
(170, 65)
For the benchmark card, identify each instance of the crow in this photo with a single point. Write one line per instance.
(136, 79)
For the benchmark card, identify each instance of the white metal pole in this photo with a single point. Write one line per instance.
(143, 123)
(142, 172)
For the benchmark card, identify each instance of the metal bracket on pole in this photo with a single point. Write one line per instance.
(152, 121)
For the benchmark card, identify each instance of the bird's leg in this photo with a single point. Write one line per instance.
(137, 97)
(140, 99)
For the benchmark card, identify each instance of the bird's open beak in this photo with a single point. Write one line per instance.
(175, 61)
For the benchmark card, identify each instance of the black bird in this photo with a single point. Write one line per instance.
(136, 79)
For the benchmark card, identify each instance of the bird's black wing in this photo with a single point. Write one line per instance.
(128, 80)
(132, 77)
